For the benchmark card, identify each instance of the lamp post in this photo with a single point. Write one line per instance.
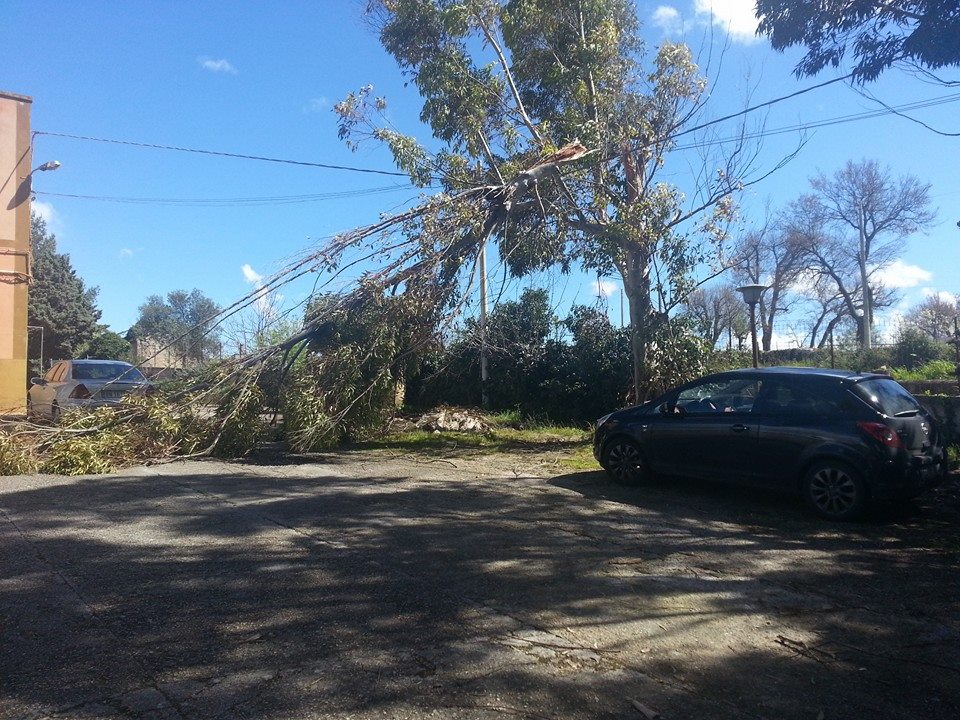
(751, 296)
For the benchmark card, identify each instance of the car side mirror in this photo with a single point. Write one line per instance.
(37, 381)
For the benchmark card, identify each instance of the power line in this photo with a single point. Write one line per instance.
(768, 103)
(887, 110)
(217, 153)
(328, 166)
(865, 115)
(231, 202)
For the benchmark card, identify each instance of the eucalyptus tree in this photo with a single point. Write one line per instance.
(565, 127)
(919, 34)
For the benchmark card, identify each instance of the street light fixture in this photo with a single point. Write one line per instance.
(751, 296)
(49, 165)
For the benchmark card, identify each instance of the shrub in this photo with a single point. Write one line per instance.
(915, 348)
(933, 370)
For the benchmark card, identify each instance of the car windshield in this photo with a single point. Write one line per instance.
(886, 395)
(106, 371)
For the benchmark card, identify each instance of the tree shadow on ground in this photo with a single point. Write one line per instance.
(242, 591)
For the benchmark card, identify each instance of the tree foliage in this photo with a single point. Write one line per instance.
(58, 299)
(878, 35)
(352, 369)
(184, 320)
(570, 370)
(106, 345)
(555, 116)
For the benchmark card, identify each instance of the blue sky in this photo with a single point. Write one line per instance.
(261, 78)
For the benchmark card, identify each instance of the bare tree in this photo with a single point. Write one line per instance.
(935, 315)
(715, 311)
(853, 226)
(262, 322)
(772, 256)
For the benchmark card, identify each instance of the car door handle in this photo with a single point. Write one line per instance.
(739, 427)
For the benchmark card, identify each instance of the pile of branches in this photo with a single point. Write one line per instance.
(327, 387)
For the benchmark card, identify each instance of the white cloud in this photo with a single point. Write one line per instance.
(126, 253)
(267, 303)
(44, 211)
(317, 104)
(737, 17)
(251, 275)
(218, 66)
(667, 18)
(899, 274)
(604, 287)
(942, 295)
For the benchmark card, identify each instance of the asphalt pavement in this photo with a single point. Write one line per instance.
(368, 585)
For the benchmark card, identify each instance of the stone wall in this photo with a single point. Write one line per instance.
(946, 410)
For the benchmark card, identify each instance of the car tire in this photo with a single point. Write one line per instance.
(834, 490)
(623, 461)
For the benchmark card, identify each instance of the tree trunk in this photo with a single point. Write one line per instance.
(865, 327)
(636, 286)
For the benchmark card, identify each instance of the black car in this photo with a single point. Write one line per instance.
(841, 438)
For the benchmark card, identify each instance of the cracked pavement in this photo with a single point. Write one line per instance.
(371, 585)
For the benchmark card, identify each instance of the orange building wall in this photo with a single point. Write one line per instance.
(15, 159)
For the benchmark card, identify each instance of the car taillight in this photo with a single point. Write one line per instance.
(80, 392)
(879, 431)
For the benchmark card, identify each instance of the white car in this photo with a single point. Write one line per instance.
(82, 383)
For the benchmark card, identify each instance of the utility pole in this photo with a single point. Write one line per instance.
(484, 371)
(867, 299)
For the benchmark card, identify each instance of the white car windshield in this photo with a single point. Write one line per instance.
(106, 371)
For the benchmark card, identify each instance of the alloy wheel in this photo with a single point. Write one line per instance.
(833, 491)
(625, 463)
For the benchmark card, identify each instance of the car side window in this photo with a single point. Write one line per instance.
(791, 399)
(736, 395)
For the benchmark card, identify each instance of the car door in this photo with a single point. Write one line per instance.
(795, 415)
(707, 430)
(42, 396)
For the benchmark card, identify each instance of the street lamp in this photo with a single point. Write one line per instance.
(751, 296)
(25, 188)
(49, 165)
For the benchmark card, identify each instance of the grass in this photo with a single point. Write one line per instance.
(562, 446)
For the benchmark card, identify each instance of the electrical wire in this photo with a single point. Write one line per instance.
(800, 127)
(232, 202)
(217, 153)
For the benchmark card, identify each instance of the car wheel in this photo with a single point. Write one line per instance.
(834, 490)
(623, 460)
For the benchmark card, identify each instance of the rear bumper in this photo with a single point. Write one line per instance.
(910, 477)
